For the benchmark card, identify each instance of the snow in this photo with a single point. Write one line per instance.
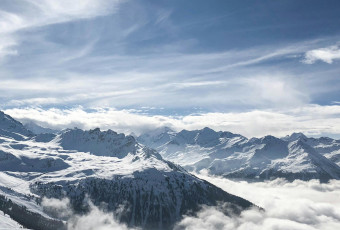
(106, 143)
(75, 162)
(73, 165)
(227, 154)
(6, 223)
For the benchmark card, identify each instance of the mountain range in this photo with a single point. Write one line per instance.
(103, 167)
(235, 156)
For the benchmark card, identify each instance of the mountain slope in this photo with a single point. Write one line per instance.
(232, 155)
(12, 128)
(103, 167)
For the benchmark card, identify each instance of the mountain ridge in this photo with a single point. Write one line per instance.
(232, 155)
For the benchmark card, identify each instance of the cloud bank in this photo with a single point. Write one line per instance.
(298, 205)
(312, 120)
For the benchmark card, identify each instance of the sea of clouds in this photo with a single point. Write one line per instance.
(298, 205)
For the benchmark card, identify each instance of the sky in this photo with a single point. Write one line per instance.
(250, 67)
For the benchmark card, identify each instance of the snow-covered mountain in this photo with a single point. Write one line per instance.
(156, 137)
(235, 156)
(12, 128)
(104, 167)
(7, 223)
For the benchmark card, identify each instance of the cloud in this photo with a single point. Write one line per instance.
(58, 208)
(128, 89)
(6, 47)
(53, 58)
(312, 120)
(31, 14)
(37, 13)
(97, 64)
(298, 205)
(328, 55)
(94, 219)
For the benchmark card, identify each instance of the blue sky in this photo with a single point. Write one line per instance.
(226, 64)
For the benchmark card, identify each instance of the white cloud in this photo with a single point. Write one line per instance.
(35, 13)
(31, 14)
(6, 47)
(125, 89)
(94, 219)
(328, 55)
(311, 119)
(58, 208)
(298, 205)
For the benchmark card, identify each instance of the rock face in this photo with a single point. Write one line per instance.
(234, 156)
(104, 167)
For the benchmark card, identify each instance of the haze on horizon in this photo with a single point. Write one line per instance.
(254, 68)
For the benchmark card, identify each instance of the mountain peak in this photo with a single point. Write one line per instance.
(12, 128)
(207, 129)
(156, 137)
(294, 137)
(101, 143)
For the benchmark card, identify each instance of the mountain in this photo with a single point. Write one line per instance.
(12, 128)
(156, 137)
(234, 156)
(101, 166)
(37, 129)
(7, 223)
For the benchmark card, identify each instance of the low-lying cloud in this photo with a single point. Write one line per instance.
(312, 120)
(298, 205)
(96, 218)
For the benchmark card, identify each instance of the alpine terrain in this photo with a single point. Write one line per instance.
(235, 156)
(102, 167)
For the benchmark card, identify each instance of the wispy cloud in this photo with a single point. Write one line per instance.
(328, 55)
(177, 80)
(32, 14)
(137, 55)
